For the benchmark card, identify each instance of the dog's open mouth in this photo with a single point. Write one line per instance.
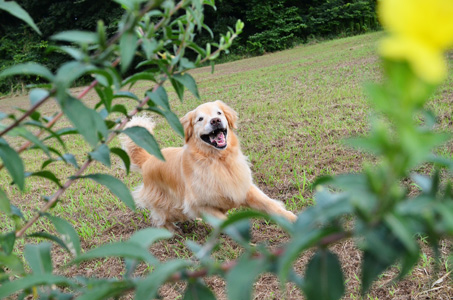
(216, 138)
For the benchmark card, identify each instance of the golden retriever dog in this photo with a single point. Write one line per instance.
(209, 174)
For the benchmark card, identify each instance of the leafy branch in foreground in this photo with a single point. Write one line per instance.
(373, 207)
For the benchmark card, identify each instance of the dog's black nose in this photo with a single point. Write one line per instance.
(215, 121)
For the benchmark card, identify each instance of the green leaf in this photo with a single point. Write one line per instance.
(13, 163)
(106, 290)
(159, 98)
(372, 266)
(14, 9)
(124, 157)
(324, 277)
(241, 278)
(144, 139)
(7, 241)
(179, 88)
(5, 205)
(70, 71)
(28, 69)
(147, 76)
(240, 232)
(46, 174)
(174, 122)
(116, 186)
(128, 44)
(29, 281)
(125, 94)
(76, 36)
(146, 237)
(70, 159)
(187, 80)
(37, 95)
(148, 287)
(38, 257)
(67, 233)
(87, 121)
(120, 108)
(102, 154)
(401, 230)
(197, 290)
(118, 249)
(22, 132)
(50, 237)
(301, 241)
(13, 263)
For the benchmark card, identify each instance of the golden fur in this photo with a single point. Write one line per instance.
(198, 177)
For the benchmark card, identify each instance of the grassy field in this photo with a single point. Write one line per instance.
(295, 108)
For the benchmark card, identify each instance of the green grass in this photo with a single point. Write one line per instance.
(295, 109)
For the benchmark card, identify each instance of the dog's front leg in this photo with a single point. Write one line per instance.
(256, 199)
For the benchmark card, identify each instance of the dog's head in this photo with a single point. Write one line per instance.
(209, 124)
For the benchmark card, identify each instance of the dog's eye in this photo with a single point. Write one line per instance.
(200, 119)
(219, 113)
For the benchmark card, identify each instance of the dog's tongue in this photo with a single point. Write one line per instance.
(219, 139)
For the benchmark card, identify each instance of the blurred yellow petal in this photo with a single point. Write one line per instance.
(427, 62)
(429, 22)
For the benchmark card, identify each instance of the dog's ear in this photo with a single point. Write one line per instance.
(186, 122)
(230, 114)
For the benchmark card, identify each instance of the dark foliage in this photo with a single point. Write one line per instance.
(270, 25)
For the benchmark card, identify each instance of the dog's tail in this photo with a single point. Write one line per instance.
(137, 154)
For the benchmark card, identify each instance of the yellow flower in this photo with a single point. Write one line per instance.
(420, 31)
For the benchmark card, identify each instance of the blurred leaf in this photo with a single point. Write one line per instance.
(46, 174)
(38, 257)
(37, 95)
(24, 133)
(15, 211)
(402, 231)
(28, 69)
(107, 290)
(102, 154)
(124, 157)
(144, 139)
(241, 278)
(372, 266)
(71, 71)
(76, 36)
(13, 163)
(13, 263)
(145, 238)
(128, 44)
(67, 233)
(116, 186)
(14, 9)
(70, 159)
(117, 249)
(159, 97)
(197, 290)
(5, 205)
(240, 232)
(324, 277)
(147, 76)
(125, 94)
(179, 88)
(120, 108)
(29, 281)
(87, 121)
(7, 241)
(149, 286)
(301, 241)
(187, 80)
(50, 237)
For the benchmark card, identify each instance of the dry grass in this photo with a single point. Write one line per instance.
(295, 108)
